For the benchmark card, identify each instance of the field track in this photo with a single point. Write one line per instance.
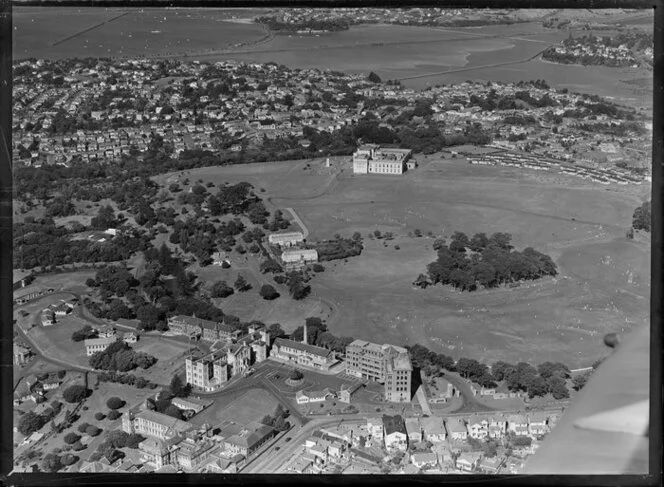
(88, 29)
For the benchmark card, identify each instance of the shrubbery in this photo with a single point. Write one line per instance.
(114, 403)
(113, 415)
(71, 438)
(339, 248)
(119, 356)
(75, 393)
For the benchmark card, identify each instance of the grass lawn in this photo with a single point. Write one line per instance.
(243, 408)
(170, 355)
(55, 341)
(602, 286)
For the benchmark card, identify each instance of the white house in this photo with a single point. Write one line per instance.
(434, 429)
(94, 345)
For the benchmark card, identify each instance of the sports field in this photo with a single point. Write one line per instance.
(603, 281)
(250, 406)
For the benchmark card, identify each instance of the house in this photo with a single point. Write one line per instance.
(106, 331)
(94, 345)
(130, 337)
(47, 317)
(396, 437)
(424, 459)
(21, 354)
(301, 465)
(518, 424)
(190, 403)
(50, 384)
(376, 429)
(299, 258)
(457, 428)
(414, 430)
(468, 461)
(477, 427)
(491, 465)
(537, 423)
(303, 354)
(347, 391)
(434, 429)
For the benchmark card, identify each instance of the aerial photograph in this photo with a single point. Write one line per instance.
(331, 241)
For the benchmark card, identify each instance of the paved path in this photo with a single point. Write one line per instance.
(421, 396)
(305, 231)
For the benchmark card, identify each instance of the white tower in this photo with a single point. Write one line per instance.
(305, 334)
(327, 162)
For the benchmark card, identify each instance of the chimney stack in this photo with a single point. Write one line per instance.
(305, 334)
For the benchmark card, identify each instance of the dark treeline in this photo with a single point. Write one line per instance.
(487, 262)
(642, 218)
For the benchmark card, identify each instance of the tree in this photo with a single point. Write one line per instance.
(557, 387)
(75, 393)
(268, 292)
(174, 412)
(30, 422)
(536, 386)
(549, 369)
(82, 428)
(579, 381)
(241, 283)
(92, 430)
(51, 463)
(178, 388)
(295, 375)
(374, 78)
(221, 290)
(318, 267)
(114, 414)
(117, 438)
(71, 438)
(84, 333)
(114, 403)
(642, 218)
(69, 459)
(100, 416)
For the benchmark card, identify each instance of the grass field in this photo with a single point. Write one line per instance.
(169, 354)
(578, 223)
(249, 406)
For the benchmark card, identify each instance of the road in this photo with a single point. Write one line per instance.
(305, 231)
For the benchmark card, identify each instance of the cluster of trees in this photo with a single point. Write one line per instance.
(31, 422)
(297, 286)
(338, 248)
(120, 357)
(486, 261)
(278, 419)
(114, 440)
(642, 218)
(162, 403)
(318, 334)
(637, 41)
(84, 333)
(53, 462)
(44, 244)
(548, 377)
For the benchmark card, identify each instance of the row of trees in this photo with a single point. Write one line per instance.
(642, 218)
(338, 248)
(485, 261)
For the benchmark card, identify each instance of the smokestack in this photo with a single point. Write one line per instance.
(305, 334)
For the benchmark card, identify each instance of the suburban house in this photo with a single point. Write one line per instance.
(468, 461)
(518, 424)
(424, 460)
(94, 345)
(456, 428)
(478, 427)
(537, 423)
(396, 437)
(497, 426)
(106, 331)
(190, 403)
(47, 317)
(414, 430)
(130, 337)
(491, 465)
(21, 354)
(434, 429)
(376, 428)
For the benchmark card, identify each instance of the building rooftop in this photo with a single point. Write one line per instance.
(305, 347)
(394, 424)
(99, 341)
(177, 425)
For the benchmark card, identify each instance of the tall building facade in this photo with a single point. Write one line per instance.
(386, 363)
